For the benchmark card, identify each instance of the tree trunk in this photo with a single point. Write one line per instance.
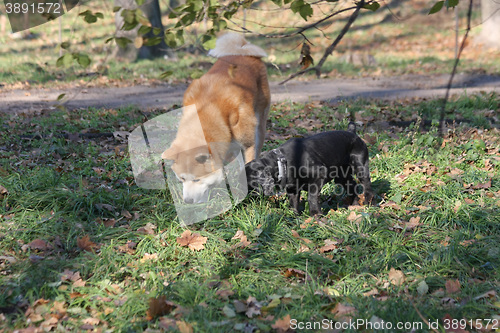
(490, 14)
(152, 11)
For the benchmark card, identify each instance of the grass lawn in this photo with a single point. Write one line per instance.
(82, 247)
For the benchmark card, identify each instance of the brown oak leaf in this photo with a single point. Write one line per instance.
(159, 307)
(193, 241)
(85, 244)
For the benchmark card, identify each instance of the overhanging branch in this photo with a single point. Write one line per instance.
(332, 46)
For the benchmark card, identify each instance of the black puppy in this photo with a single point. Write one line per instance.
(309, 163)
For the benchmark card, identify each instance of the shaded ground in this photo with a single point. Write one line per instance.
(164, 96)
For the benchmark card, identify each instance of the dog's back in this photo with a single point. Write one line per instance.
(329, 148)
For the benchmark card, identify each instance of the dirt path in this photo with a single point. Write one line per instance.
(164, 96)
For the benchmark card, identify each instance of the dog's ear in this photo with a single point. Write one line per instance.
(171, 153)
(202, 158)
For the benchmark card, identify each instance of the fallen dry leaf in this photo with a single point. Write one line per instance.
(224, 290)
(253, 307)
(295, 273)
(343, 312)
(49, 324)
(330, 245)
(184, 327)
(159, 307)
(68, 275)
(193, 241)
(39, 244)
(167, 324)
(413, 223)
(3, 192)
(295, 234)
(469, 201)
(85, 244)
(91, 321)
(148, 229)
(244, 242)
(452, 286)
(354, 217)
(372, 292)
(455, 172)
(390, 204)
(491, 294)
(482, 186)
(282, 325)
(148, 257)
(396, 277)
(108, 223)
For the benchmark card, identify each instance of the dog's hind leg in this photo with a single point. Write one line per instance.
(260, 131)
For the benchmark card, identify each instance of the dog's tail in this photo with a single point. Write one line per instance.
(231, 44)
(352, 127)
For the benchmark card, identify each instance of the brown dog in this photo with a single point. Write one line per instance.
(227, 105)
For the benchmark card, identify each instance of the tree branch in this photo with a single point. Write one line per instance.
(447, 95)
(332, 46)
(299, 31)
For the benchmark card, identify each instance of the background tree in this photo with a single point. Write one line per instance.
(490, 14)
(136, 40)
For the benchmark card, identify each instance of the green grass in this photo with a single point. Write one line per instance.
(59, 190)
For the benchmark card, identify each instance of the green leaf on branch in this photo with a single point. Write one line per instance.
(122, 41)
(372, 6)
(82, 59)
(144, 29)
(116, 9)
(219, 25)
(170, 39)
(157, 31)
(166, 74)
(180, 37)
(451, 3)
(89, 17)
(129, 26)
(303, 8)
(66, 60)
(65, 45)
(128, 15)
(197, 5)
(208, 41)
(152, 41)
(437, 7)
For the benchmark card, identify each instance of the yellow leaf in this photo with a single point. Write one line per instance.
(282, 324)
(138, 41)
(184, 327)
(396, 277)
